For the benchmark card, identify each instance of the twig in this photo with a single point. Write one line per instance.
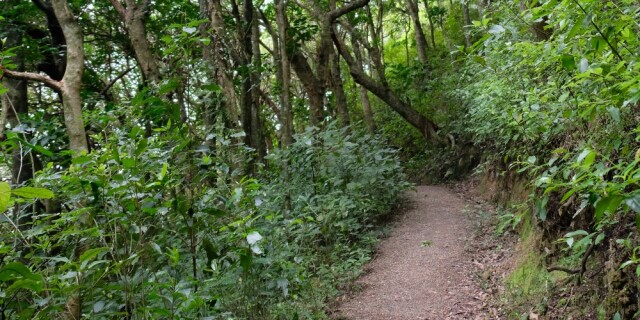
(112, 82)
(583, 265)
(600, 31)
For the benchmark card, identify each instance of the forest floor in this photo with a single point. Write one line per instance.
(442, 261)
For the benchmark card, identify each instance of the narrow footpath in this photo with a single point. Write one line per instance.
(422, 271)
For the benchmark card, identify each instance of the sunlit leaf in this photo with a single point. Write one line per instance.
(5, 196)
(33, 193)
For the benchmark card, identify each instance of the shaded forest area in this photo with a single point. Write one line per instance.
(223, 159)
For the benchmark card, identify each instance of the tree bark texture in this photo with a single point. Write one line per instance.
(338, 91)
(286, 114)
(133, 17)
(421, 41)
(72, 79)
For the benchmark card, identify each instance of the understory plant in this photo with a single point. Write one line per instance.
(164, 227)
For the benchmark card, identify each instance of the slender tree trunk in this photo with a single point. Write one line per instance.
(220, 70)
(286, 114)
(247, 48)
(338, 91)
(432, 27)
(445, 34)
(72, 80)
(14, 104)
(466, 17)
(421, 41)
(316, 83)
(369, 119)
(364, 93)
(256, 117)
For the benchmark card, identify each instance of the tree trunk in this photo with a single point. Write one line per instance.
(14, 104)
(467, 22)
(426, 127)
(133, 17)
(247, 49)
(338, 91)
(312, 85)
(256, 116)
(432, 27)
(421, 41)
(364, 94)
(214, 54)
(315, 83)
(286, 114)
(72, 80)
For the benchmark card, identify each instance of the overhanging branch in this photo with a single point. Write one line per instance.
(31, 76)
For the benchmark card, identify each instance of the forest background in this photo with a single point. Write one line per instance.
(236, 159)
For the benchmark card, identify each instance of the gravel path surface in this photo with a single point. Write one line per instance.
(422, 270)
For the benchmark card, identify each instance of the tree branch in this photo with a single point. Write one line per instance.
(583, 265)
(425, 125)
(112, 82)
(119, 8)
(31, 76)
(339, 12)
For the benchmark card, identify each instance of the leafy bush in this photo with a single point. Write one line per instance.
(163, 228)
(564, 111)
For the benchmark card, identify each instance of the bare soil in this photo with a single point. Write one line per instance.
(426, 268)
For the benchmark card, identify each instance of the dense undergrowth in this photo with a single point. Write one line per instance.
(551, 97)
(151, 228)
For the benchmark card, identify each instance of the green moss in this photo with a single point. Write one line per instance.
(528, 285)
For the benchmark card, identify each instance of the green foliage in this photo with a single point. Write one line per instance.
(564, 112)
(159, 227)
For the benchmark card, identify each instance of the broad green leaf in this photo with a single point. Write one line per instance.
(5, 196)
(584, 65)
(33, 193)
(141, 146)
(633, 203)
(567, 195)
(14, 269)
(90, 255)
(607, 204)
(568, 62)
(615, 113)
(253, 237)
(27, 284)
(479, 60)
(98, 306)
(586, 158)
(599, 238)
(163, 172)
(189, 30)
(496, 29)
(576, 28)
(576, 233)
(128, 163)
(81, 160)
(541, 210)
(570, 242)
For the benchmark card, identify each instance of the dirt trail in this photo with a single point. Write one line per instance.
(422, 270)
